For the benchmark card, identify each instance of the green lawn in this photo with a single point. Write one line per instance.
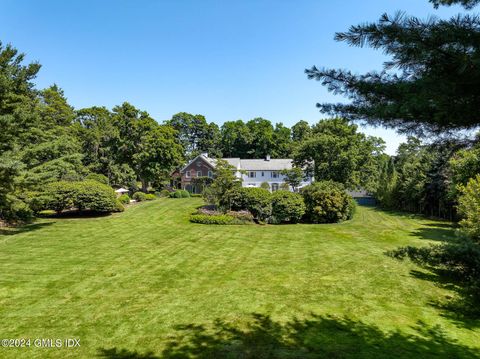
(146, 283)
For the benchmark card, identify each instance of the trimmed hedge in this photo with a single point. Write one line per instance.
(150, 197)
(287, 207)
(212, 219)
(327, 202)
(83, 195)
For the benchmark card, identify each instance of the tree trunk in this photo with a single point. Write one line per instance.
(144, 185)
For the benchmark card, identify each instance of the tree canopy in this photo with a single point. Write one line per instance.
(431, 84)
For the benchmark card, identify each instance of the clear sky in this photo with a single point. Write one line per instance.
(227, 60)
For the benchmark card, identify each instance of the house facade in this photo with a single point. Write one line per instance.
(253, 172)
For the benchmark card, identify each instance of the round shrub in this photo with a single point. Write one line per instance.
(327, 202)
(469, 208)
(119, 206)
(83, 195)
(265, 185)
(256, 200)
(139, 196)
(150, 197)
(180, 194)
(287, 207)
(124, 199)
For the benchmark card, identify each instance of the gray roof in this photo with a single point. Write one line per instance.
(274, 164)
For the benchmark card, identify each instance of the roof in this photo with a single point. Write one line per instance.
(274, 164)
(264, 165)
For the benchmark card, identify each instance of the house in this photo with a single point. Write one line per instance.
(253, 172)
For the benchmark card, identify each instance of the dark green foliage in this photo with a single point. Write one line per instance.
(287, 207)
(255, 200)
(124, 199)
(469, 209)
(139, 196)
(468, 4)
(431, 83)
(84, 195)
(293, 177)
(150, 197)
(180, 194)
(212, 219)
(97, 177)
(119, 207)
(336, 151)
(224, 180)
(327, 202)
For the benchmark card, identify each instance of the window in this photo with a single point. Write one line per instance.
(275, 175)
(274, 187)
(252, 174)
(263, 174)
(199, 173)
(210, 174)
(187, 174)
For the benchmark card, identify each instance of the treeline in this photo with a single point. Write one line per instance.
(43, 140)
(426, 178)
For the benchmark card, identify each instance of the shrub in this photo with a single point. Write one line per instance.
(180, 194)
(124, 199)
(256, 200)
(265, 185)
(118, 206)
(327, 202)
(287, 207)
(469, 208)
(164, 193)
(212, 219)
(91, 195)
(97, 177)
(150, 197)
(139, 196)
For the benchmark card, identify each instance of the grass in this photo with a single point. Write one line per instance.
(146, 283)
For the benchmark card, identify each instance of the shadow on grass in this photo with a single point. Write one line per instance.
(316, 337)
(10, 231)
(78, 214)
(436, 231)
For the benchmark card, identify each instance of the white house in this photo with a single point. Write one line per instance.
(253, 172)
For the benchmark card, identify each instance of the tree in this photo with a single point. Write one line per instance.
(336, 151)
(293, 176)
(431, 83)
(300, 131)
(235, 139)
(262, 140)
(282, 142)
(196, 135)
(224, 180)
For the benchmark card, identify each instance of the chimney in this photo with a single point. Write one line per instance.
(267, 158)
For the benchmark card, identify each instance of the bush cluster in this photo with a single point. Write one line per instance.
(83, 195)
(163, 193)
(255, 200)
(150, 197)
(287, 207)
(179, 194)
(327, 202)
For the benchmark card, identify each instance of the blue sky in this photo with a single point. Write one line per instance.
(227, 60)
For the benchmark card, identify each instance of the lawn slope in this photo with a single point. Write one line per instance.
(146, 283)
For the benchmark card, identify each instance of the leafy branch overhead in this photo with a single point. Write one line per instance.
(430, 84)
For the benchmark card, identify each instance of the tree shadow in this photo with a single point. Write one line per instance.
(436, 232)
(10, 231)
(78, 214)
(260, 337)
